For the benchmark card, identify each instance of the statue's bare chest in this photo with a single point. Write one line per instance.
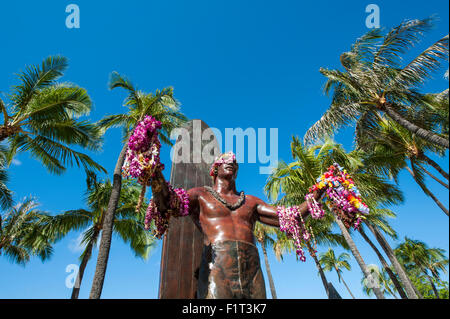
(211, 208)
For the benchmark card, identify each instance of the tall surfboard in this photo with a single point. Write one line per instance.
(183, 243)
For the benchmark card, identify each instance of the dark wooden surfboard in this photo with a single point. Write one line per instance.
(183, 244)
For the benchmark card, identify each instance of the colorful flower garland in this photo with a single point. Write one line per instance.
(341, 195)
(142, 161)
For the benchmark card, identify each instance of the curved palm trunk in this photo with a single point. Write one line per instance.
(434, 177)
(356, 254)
(428, 192)
(269, 274)
(413, 128)
(394, 279)
(436, 293)
(435, 165)
(105, 243)
(410, 290)
(84, 261)
(343, 281)
(319, 268)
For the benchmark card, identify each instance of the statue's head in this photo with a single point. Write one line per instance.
(224, 166)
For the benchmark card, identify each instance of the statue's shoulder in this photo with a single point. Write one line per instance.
(197, 190)
(253, 199)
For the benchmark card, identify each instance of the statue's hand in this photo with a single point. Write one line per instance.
(160, 192)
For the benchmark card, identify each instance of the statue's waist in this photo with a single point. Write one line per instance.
(232, 244)
(230, 253)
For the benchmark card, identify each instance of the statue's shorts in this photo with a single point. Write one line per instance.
(230, 269)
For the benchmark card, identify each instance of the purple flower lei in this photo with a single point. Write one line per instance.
(288, 217)
(143, 151)
(178, 207)
(142, 160)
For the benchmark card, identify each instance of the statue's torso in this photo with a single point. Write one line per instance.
(219, 223)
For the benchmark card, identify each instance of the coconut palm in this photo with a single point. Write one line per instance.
(378, 218)
(383, 280)
(406, 282)
(417, 256)
(295, 179)
(330, 262)
(263, 235)
(396, 148)
(310, 162)
(375, 81)
(41, 116)
(128, 225)
(164, 108)
(22, 234)
(5, 194)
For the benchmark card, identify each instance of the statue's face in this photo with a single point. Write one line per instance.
(228, 168)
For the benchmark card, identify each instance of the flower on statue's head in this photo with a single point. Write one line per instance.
(225, 158)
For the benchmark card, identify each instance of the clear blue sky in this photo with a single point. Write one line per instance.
(232, 64)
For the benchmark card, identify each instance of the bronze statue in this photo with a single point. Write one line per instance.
(230, 265)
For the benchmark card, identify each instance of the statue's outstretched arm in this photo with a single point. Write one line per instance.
(268, 214)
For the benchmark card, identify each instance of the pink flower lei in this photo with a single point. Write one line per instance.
(178, 207)
(291, 222)
(143, 151)
(142, 161)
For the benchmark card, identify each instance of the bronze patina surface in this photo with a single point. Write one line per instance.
(231, 270)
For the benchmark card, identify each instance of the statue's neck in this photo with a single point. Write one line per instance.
(225, 186)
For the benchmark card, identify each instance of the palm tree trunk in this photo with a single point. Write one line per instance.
(84, 261)
(413, 128)
(269, 273)
(434, 164)
(428, 192)
(394, 279)
(5, 113)
(356, 254)
(343, 281)
(406, 282)
(436, 293)
(319, 268)
(434, 177)
(105, 243)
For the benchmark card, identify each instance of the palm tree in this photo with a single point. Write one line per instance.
(5, 194)
(164, 108)
(42, 118)
(295, 179)
(406, 282)
(377, 218)
(262, 234)
(417, 256)
(329, 262)
(375, 81)
(382, 278)
(310, 162)
(22, 233)
(393, 146)
(294, 188)
(128, 225)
